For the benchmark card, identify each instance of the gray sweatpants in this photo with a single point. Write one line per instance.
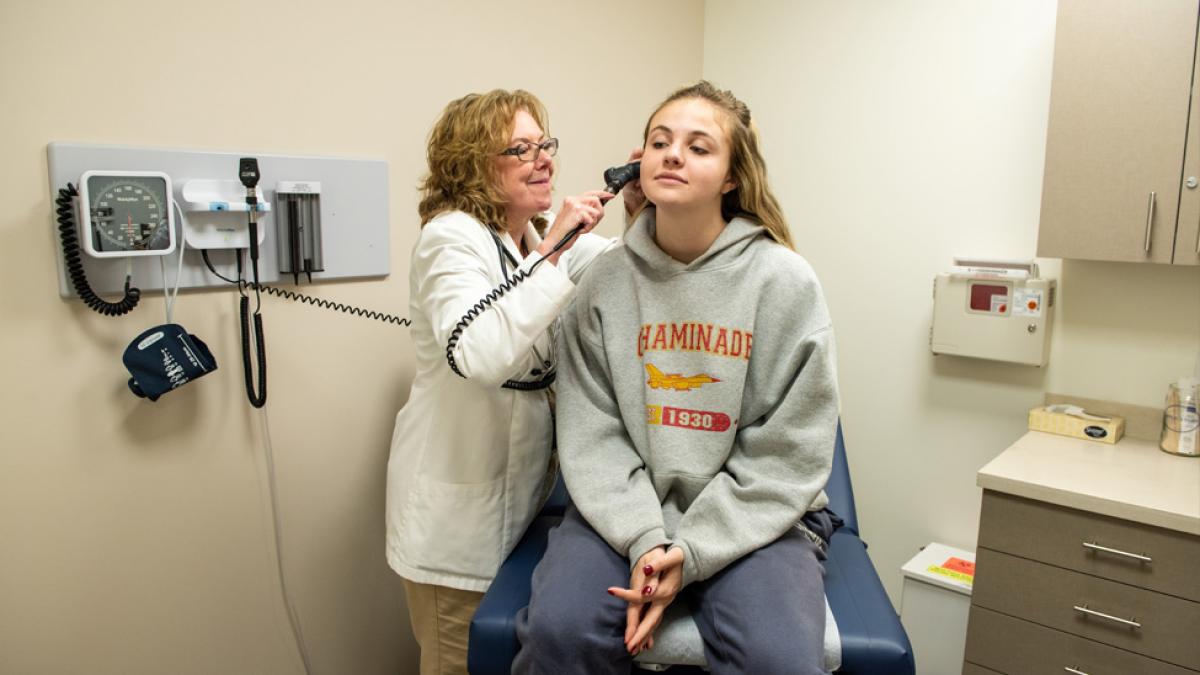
(763, 614)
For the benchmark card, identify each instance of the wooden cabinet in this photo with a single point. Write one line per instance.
(1064, 596)
(1122, 176)
(1013, 645)
(1088, 561)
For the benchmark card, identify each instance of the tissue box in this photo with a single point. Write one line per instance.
(1104, 431)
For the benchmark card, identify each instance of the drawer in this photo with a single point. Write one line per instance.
(972, 669)
(1056, 535)
(1009, 645)
(1048, 595)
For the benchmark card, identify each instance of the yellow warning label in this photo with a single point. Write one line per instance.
(957, 576)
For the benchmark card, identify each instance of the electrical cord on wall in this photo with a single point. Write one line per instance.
(249, 175)
(277, 527)
(485, 303)
(308, 299)
(337, 306)
(170, 297)
(615, 178)
(268, 453)
(67, 230)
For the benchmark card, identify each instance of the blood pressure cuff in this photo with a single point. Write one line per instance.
(166, 357)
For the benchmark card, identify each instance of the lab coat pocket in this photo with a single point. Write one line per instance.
(456, 527)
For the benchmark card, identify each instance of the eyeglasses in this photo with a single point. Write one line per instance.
(528, 152)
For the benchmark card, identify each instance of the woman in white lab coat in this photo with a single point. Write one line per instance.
(470, 454)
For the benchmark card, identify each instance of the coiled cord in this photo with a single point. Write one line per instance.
(70, 243)
(257, 399)
(486, 302)
(478, 308)
(327, 304)
(615, 178)
(308, 299)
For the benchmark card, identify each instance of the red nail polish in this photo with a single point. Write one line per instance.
(648, 570)
(647, 590)
(611, 592)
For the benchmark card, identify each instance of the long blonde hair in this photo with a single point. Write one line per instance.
(752, 197)
(462, 152)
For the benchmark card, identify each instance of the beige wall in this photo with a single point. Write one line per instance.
(901, 134)
(136, 537)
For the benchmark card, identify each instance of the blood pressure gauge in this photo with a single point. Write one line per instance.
(126, 213)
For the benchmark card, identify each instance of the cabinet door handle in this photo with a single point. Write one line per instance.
(1149, 219)
(1073, 671)
(1105, 549)
(1101, 615)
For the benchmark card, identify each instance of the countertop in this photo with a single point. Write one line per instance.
(1131, 479)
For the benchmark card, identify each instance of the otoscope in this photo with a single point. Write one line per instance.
(249, 175)
(615, 178)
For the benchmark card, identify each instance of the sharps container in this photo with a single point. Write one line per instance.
(934, 604)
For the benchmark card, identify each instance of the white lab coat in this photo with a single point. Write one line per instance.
(469, 460)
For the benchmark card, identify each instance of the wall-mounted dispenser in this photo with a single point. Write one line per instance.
(216, 214)
(298, 228)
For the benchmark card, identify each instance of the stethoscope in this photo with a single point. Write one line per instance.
(546, 374)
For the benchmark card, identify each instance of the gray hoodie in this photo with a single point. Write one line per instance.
(697, 402)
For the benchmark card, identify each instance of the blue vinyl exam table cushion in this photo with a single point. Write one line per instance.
(872, 640)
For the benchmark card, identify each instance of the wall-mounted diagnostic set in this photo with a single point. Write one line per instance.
(300, 219)
(124, 207)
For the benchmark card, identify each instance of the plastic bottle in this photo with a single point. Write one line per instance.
(1181, 419)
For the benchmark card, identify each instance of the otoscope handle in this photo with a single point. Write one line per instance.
(615, 178)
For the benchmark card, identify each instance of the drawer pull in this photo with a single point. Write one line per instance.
(1149, 219)
(1073, 671)
(1124, 622)
(1105, 549)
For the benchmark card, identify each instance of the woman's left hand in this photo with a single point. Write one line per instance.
(656, 579)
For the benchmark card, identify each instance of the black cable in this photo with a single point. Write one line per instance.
(327, 304)
(70, 245)
(486, 302)
(238, 258)
(309, 300)
(254, 273)
(204, 254)
(257, 399)
(615, 178)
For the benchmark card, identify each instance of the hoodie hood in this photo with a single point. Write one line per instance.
(737, 236)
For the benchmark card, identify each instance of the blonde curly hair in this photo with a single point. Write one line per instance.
(752, 198)
(462, 150)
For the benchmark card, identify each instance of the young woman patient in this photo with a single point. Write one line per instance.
(697, 410)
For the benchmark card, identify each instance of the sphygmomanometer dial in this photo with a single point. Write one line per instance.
(127, 213)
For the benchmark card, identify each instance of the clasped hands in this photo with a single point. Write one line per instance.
(653, 584)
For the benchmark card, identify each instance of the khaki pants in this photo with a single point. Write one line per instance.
(441, 620)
